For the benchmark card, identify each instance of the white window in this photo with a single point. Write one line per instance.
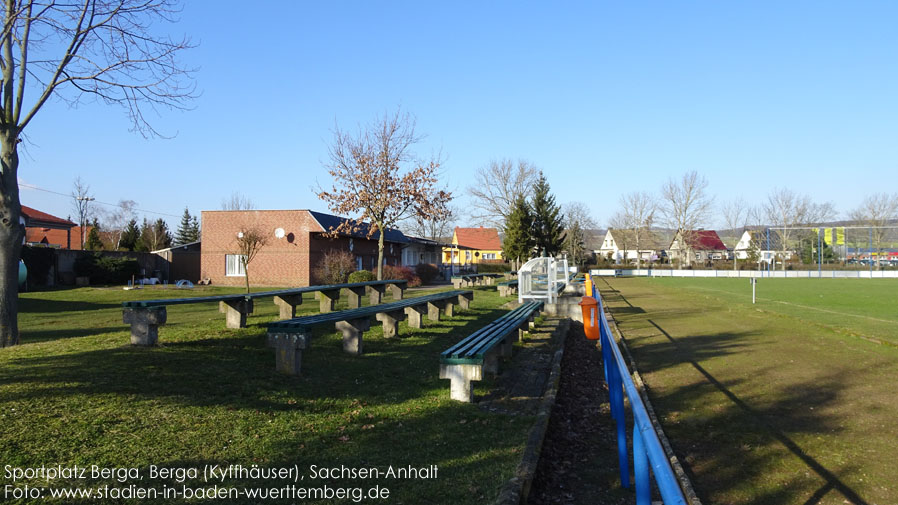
(234, 265)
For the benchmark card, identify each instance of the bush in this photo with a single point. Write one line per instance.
(426, 272)
(493, 268)
(334, 267)
(103, 269)
(39, 261)
(402, 272)
(361, 276)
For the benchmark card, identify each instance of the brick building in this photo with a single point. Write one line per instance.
(296, 242)
(42, 229)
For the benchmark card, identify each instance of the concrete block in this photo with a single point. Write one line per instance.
(396, 291)
(434, 308)
(390, 322)
(460, 377)
(355, 295)
(287, 305)
(327, 299)
(236, 312)
(464, 300)
(414, 315)
(376, 294)
(288, 352)
(145, 324)
(352, 331)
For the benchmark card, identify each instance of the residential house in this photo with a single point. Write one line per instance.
(473, 245)
(767, 246)
(619, 245)
(697, 246)
(421, 250)
(296, 243)
(46, 230)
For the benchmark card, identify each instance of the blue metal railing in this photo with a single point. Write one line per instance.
(647, 451)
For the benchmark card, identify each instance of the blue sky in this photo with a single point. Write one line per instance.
(606, 97)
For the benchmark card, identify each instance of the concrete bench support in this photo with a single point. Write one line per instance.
(460, 377)
(145, 324)
(464, 301)
(491, 363)
(375, 294)
(390, 322)
(414, 315)
(288, 352)
(449, 310)
(327, 299)
(236, 312)
(458, 283)
(434, 308)
(396, 291)
(287, 305)
(352, 331)
(355, 297)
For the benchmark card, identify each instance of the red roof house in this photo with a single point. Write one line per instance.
(699, 245)
(473, 245)
(50, 231)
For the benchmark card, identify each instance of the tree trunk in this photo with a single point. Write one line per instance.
(380, 253)
(246, 274)
(11, 234)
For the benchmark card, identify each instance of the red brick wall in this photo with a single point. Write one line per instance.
(287, 261)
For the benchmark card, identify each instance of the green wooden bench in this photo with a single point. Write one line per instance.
(291, 337)
(467, 360)
(508, 288)
(145, 316)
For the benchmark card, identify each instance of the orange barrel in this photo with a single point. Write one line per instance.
(590, 308)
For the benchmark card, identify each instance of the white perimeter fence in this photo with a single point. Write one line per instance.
(774, 274)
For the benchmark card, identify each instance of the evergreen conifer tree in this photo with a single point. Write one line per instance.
(548, 227)
(195, 229)
(517, 244)
(574, 243)
(93, 242)
(187, 230)
(130, 236)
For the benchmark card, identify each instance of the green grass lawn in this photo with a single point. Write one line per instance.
(782, 402)
(76, 393)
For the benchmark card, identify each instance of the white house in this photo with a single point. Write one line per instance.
(767, 248)
(620, 246)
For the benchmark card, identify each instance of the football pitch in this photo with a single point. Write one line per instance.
(789, 400)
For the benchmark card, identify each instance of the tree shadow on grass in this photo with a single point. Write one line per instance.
(39, 306)
(33, 336)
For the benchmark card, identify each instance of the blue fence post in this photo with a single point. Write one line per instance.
(641, 469)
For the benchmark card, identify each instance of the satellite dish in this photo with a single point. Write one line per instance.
(279, 233)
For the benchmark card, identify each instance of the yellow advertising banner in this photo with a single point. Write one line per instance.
(828, 236)
(840, 236)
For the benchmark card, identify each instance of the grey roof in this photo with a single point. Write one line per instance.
(330, 222)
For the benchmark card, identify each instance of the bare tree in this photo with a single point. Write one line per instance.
(103, 50)
(237, 201)
(878, 211)
(736, 215)
(437, 226)
(578, 223)
(686, 206)
(495, 188)
(379, 178)
(250, 240)
(83, 208)
(638, 214)
(786, 210)
(118, 220)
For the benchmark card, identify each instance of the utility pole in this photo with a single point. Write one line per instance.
(83, 201)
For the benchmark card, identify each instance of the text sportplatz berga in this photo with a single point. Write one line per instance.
(209, 481)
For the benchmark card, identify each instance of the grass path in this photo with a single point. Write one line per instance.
(764, 407)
